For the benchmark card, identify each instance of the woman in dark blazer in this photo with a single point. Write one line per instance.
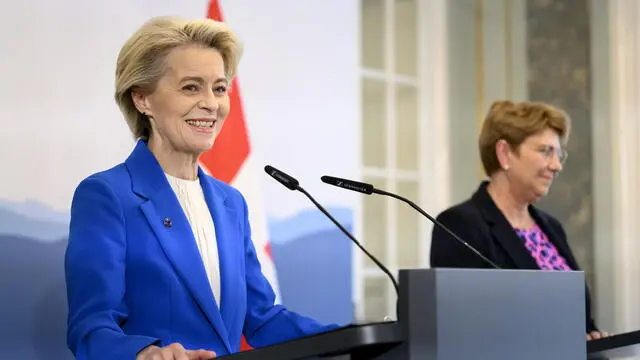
(522, 151)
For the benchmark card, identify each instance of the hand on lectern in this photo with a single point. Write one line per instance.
(174, 351)
(595, 335)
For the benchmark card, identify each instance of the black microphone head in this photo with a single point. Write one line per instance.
(284, 179)
(348, 184)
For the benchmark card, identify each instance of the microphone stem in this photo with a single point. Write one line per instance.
(373, 258)
(417, 208)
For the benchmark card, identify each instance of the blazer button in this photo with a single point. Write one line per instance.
(167, 223)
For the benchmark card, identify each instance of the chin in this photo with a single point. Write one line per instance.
(540, 193)
(201, 146)
(536, 193)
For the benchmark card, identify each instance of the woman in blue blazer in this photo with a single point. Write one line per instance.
(160, 262)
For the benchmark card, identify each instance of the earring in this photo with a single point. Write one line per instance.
(506, 167)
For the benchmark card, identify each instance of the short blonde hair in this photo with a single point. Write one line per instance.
(514, 123)
(141, 62)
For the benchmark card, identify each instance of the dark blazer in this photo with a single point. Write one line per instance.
(135, 277)
(480, 223)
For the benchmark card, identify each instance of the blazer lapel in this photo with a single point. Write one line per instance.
(172, 229)
(506, 236)
(225, 218)
(501, 231)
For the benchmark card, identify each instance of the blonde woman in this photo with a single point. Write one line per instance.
(160, 262)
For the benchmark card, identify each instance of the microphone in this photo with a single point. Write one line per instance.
(370, 189)
(284, 179)
(293, 184)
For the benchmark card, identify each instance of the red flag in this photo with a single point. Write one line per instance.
(230, 160)
(231, 147)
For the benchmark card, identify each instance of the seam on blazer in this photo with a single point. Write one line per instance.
(125, 243)
(118, 203)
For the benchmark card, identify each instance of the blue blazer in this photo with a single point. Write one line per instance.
(134, 275)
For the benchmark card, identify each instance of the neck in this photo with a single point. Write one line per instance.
(175, 163)
(506, 198)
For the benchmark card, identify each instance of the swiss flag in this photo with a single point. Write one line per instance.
(230, 161)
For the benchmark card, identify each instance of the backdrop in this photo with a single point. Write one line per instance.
(299, 90)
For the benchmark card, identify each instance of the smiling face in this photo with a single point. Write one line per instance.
(537, 161)
(190, 102)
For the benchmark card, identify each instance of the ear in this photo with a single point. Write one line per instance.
(503, 153)
(141, 101)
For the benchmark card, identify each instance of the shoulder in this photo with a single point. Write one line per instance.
(98, 204)
(107, 192)
(465, 210)
(109, 181)
(463, 219)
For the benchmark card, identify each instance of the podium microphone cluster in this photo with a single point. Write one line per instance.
(293, 184)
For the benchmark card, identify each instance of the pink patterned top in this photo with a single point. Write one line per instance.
(542, 250)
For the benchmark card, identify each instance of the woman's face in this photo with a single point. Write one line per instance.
(190, 102)
(533, 167)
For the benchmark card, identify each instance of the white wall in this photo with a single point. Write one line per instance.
(301, 91)
(298, 80)
(616, 55)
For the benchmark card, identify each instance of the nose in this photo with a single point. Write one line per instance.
(555, 164)
(209, 102)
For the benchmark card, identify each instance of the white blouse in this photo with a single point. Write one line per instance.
(194, 205)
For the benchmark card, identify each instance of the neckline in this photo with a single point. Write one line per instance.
(534, 227)
(179, 180)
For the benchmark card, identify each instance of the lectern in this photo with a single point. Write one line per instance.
(460, 314)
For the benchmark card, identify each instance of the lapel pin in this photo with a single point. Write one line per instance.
(167, 223)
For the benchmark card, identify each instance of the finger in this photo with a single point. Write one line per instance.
(588, 337)
(200, 354)
(177, 352)
(155, 354)
(595, 335)
(165, 354)
(171, 354)
(181, 356)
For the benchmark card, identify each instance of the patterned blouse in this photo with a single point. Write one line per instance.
(542, 250)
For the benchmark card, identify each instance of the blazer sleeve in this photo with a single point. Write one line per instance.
(95, 276)
(446, 251)
(267, 323)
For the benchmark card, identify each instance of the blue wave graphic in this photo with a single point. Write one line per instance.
(36, 210)
(33, 239)
(33, 220)
(34, 308)
(313, 262)
(307, 222)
